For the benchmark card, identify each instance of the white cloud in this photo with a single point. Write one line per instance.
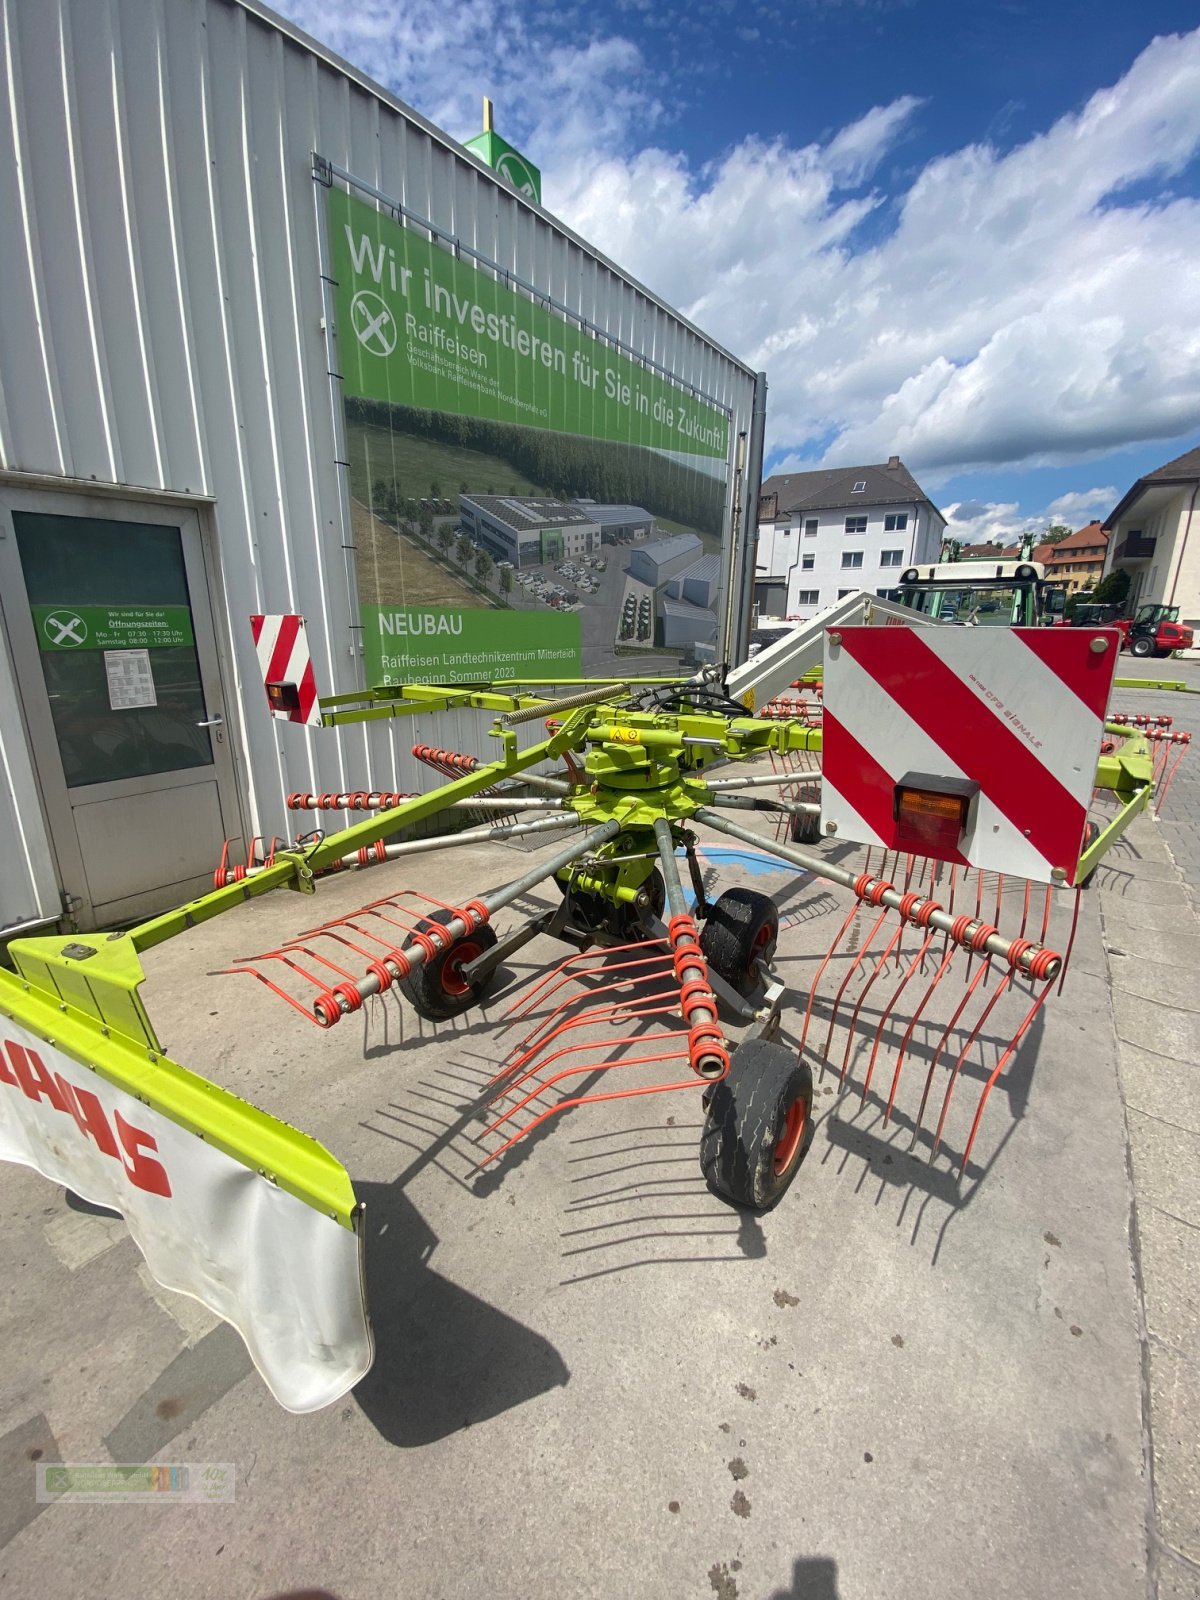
(989, 522)
(1084, 505)
(1035, 306)
(1018, 310)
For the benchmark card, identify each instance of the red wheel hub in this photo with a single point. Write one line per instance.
(764, 942)
(453, 980)
(791, 1137)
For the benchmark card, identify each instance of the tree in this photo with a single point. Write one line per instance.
(1056, 533)
(445, 537)
(425, 521)
(435, 489)
(506, 580)
(483, 566)
(465, 548)
(1114, 588)
(951, 550)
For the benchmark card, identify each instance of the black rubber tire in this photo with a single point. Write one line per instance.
(804, 828)
(751, 1120)
(741, 929)
(1142, 647)
(437, 990)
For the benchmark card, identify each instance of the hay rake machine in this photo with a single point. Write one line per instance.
(669, 987)
(635, 790)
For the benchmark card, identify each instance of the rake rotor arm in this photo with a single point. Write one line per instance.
(345, 998)
(1024, 954)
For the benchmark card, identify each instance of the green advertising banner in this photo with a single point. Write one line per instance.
(405, 645)
(524, 501)
(68, 627)
(418, 327)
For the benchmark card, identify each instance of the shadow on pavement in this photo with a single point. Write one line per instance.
(813, 1578)
(637, 1199)
(444, 1359)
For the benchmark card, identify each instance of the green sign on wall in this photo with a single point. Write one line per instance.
(418, 327)
(404, 644)
(508, 162)
(68, 627)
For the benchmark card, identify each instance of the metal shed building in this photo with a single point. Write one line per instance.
(172, 431)
(655, 563)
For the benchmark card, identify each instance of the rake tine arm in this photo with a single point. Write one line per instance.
(970, 932)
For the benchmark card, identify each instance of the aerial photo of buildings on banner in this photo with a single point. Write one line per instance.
(525, 500)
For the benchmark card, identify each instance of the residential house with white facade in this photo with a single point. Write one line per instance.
(1155, 536)
(824, 534)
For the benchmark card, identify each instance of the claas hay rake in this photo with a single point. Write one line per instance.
(945, 951)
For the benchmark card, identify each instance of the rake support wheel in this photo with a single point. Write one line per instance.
(439, 989)
(755, 1132)
(741, 930)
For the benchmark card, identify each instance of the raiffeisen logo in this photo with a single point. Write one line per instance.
(511, 166)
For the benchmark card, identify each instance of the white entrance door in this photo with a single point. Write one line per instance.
(106, 607)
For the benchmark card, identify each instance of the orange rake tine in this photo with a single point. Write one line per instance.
(879, 966)
(916, 961)
(1001, 989)
(812, 993)
(586, 995)
(520, 1009)
(591, 1100)
(974, 984)
(854, 966)
(577, 1071)
(947, 958)
(657, 1009)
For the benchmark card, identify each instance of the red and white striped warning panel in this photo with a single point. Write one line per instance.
(282, 646)
(971, 745)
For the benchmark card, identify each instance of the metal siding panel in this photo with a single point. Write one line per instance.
(28, 882)
(31, 439)
(54, 202)
(60, 205)
(152, 221)
(100, 91)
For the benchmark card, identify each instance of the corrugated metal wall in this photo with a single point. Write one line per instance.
(160, 320)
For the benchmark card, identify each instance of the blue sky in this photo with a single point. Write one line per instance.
(966, 231)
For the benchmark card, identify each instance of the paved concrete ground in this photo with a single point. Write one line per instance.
(1149, 895)
(592, 1377)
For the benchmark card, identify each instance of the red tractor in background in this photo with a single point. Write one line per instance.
(1154, 631)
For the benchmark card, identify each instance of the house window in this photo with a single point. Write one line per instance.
(810, 528)
(807, 597)
(860, 487)
(856, 524)
(787, 532)
(891, 558)
(842, 593)
(895, 522)
(852, 558)
(890, 594)
(807, 560)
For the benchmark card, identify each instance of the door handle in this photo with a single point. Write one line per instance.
(213, 722)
